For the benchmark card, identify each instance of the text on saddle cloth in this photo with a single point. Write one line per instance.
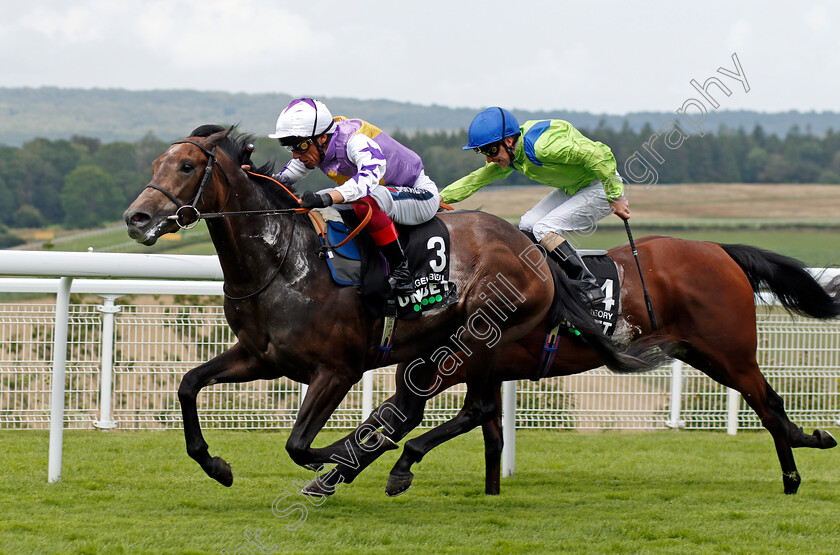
(427, 248)
(605, 313)
(606, 273)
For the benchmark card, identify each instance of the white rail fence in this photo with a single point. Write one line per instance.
(124, 363)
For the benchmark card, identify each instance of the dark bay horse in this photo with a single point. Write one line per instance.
(703, 297)
(291, 319)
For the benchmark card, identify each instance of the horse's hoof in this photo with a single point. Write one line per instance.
(791, 481)
(317, 490)
(827, 440)
(398, 484)
(220, 471)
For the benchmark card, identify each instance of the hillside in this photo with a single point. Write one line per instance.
(121, 115)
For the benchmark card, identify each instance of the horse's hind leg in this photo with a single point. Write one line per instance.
(786, 435)
(820, 439)
(480, 406)
(746, 377)
(234, 365)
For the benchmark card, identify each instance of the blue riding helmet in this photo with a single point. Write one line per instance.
(487, 126)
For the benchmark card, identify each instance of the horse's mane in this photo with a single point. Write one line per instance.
(233, 144)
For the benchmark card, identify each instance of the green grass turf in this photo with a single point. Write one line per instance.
(658, 492)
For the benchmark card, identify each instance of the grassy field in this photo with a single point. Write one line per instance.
(663, 492)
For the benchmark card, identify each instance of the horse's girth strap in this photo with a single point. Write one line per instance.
(552, 338)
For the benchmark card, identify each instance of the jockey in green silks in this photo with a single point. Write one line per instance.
(583, 173)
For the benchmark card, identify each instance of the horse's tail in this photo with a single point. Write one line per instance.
(787, 278)
(568, 307)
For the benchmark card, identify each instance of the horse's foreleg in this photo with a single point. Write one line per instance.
(369, 434)
(387, 424)
(493, 444)
(234, 365)
(325, 392)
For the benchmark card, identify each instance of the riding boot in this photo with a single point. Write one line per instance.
(400, 277)
(572, 263)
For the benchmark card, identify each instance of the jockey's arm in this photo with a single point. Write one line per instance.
(594, 156)
(292, 172)
(336, 196)
(469, 184)
(370, 165)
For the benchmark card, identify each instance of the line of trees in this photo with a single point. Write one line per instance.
(77, 183)
(728, 156)
(81, 182)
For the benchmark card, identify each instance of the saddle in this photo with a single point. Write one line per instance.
(359, 263)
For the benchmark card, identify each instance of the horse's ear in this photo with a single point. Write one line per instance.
(216, 138)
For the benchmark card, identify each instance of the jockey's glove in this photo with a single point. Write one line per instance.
(315, 200)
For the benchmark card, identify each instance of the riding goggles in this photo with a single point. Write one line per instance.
(489, 150)
(300, 146)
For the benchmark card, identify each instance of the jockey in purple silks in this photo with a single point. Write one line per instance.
(366, 164)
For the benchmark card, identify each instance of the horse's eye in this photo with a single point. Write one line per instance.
(187, 167)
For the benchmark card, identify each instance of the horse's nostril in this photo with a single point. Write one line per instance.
(137, 218)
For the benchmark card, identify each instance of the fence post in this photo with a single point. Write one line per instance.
(508, 427)
(676, 395)
(733, 402)
(303, 388)
(108, 309)
(367, 394)
(62, 313)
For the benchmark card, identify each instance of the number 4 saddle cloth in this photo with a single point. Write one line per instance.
(359, 263)
(605, 313)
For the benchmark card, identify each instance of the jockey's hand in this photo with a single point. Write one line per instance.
(621, 208)
(315, 200)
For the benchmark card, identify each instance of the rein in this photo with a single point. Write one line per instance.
(346, 240)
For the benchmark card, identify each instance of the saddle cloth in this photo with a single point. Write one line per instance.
(606, 273)
(605, 313)
(360, 263)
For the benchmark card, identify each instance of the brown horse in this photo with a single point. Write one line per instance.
(703, 297)
(292, 320)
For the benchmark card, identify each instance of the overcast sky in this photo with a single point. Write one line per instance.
(607, 56)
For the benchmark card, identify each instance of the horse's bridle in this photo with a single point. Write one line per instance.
(195, 215)
(188, 212)
(185, 211)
